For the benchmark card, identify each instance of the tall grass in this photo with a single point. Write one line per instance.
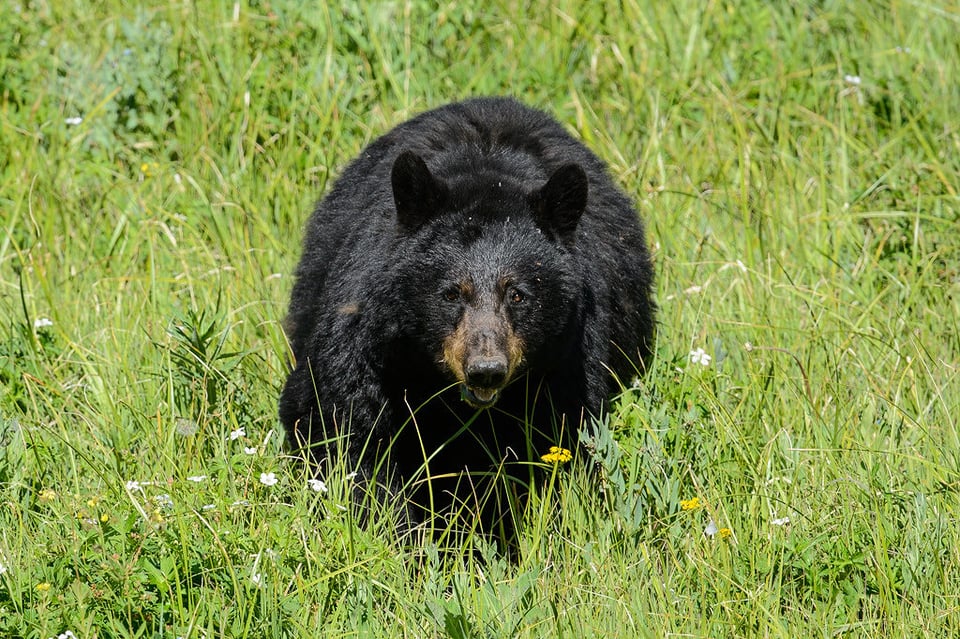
(796, 164)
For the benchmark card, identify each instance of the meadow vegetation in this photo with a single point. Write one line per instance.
(789, 466)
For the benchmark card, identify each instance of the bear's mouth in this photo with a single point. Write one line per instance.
(479, 397)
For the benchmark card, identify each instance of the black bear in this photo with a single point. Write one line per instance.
(471, 288)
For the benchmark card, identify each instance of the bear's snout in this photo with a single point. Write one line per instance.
(483, 353)
(486, 372)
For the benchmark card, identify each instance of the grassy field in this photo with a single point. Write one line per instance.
(789, 467)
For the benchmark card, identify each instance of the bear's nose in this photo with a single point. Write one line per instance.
(486, 372)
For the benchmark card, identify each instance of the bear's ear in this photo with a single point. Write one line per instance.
(559, 204)
(416, 194)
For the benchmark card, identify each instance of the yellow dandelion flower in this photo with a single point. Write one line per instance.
(724, 533)
(690, 504)
(43, 587)
(104, 518)
(557, 455)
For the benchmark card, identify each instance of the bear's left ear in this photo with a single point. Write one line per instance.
(416, 193)
(559, 204)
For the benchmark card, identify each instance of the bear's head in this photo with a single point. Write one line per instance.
(488, 274)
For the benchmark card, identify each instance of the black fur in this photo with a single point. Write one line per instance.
(482, 214)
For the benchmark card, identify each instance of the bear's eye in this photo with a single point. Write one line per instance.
(452, 294)
(516, 296)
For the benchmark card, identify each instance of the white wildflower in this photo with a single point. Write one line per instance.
(237, 434)
(317, 485)
(699, 356)
(268, 479)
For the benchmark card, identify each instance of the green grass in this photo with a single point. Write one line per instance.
(798, 168)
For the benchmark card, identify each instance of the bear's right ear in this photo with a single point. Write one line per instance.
(416, 194)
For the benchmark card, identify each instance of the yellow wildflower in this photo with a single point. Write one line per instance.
(690, 504)
(47, 494)
(43, 587)
(557, 455)
(712, 530)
